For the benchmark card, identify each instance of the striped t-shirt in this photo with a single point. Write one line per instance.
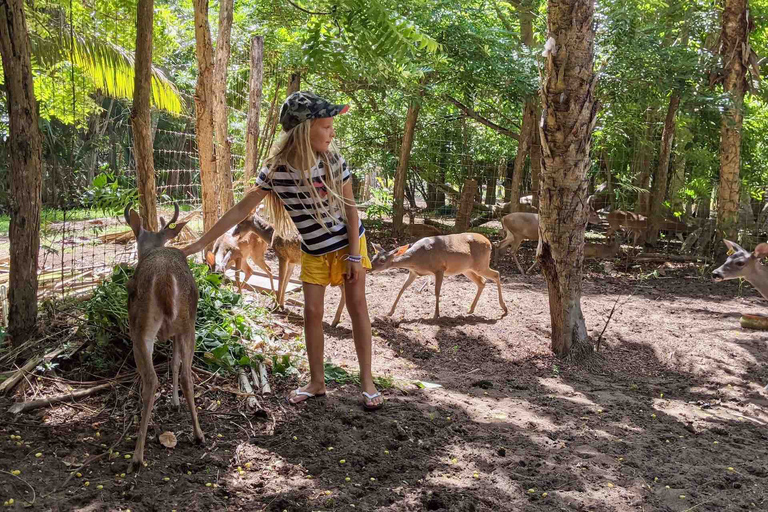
(286, 182)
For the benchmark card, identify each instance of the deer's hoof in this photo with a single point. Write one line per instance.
(200, 438)
(391, 313)
(334, 324)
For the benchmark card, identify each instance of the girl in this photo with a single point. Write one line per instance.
(306, 183)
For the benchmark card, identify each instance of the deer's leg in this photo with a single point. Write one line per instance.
(480, 283)
(515, 247)
(508, 239)
(494, 275)
(340, 309)
(438, 285)
(175, 363)
(285, 275)
(187, 348)
(143, 346)
(411, 278)
(262, 264)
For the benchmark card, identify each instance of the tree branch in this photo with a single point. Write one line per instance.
(480, 119)
(308, 12)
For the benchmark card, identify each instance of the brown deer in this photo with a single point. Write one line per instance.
(288, 251)
(521, 226)
(463, 253)
(230, 251)
(162, 303)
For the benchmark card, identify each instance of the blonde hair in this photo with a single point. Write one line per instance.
(296, 145)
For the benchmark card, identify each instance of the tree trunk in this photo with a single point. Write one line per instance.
(25, 153)
(294, 85)
(536, 156)
(466, 203)
(734, 38)
(220, 114)
(270, 127)
(642, 165)
(405, 156)
(512, 194)
(659, 192)
(677, 181)
(204, 113)
(254, 108)
(569, 114)
(141, 120)
(490, 191)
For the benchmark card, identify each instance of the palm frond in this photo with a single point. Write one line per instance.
(109, 66)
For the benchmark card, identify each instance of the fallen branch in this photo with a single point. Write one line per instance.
(20, 407)
(663, 258)
(7, 385)
(265, 388)
(28, 485)
(251, 402)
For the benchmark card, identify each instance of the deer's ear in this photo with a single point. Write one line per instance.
(401, 250)
(135, 222)
(376, 248)
(761, 251)
(732, 246)
(210, 258)
(173, 230)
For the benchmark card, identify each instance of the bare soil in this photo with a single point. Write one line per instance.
(670, 415)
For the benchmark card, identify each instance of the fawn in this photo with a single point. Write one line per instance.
(288, 251)
(230, 251)
(162, 303)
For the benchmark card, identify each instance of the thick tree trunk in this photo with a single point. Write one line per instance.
(220, 114)
(141, 120)
(659, 191)
(677, 181)
(512, 194)
(25, 152)
(734, 38)
(254, 108)
(569, 114)
(466, 203)
(405, 156)
(204, 113)
(270, 127)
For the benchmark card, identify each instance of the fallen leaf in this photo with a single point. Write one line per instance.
(168, 439)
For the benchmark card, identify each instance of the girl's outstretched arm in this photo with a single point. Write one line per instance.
(235, 214)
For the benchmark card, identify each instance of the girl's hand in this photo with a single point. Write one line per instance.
(354, 270)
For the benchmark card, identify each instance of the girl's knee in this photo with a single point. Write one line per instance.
(313, 313)
(356, 304)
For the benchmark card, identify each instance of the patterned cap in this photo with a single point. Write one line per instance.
(304, 105)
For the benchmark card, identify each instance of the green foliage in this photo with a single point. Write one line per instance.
(381, 206)
(225, 327)
(110, 193)
(341, 376)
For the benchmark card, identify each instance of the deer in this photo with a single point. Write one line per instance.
(463, 253)
(519, 226)
(634, 223)
(422, 230)
(288, 251)
(162, 304)
(746, 265)
(230, 251)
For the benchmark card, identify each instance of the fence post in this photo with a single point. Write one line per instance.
(466, 203)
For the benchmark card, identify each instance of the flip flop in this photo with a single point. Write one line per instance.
(298, 392)
(370, 398)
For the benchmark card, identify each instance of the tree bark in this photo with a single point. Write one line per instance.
(677, 181)
(25, 152)
(254, 108)
(294, 85)
(405, 156)
(642, 165)
(220, 114)
(734, 38)
(568, 118)
(512, 193)
(466, 203)
(659, 191)
(141, 120)
(204, 113)
(536, 156)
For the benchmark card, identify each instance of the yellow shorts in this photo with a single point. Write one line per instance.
(328, 269)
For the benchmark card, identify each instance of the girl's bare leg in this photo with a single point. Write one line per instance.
(361, 331)
(314, 306)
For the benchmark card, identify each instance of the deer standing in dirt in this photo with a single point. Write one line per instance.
(231, 251)
(742, 263)
(288, 251)
(464, 253)
(162, 303)
(520, 226)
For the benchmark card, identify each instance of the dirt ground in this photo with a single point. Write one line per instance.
(671, 415)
